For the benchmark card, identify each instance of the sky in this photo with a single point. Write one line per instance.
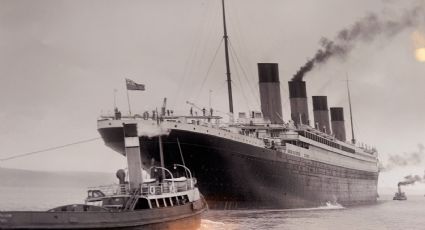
(60, 62)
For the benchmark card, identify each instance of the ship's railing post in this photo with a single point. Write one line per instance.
(188, 170)
(172, 178)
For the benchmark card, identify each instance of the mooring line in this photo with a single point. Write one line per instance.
(48, 149)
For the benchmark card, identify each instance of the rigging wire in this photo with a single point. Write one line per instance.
(48, 149)
(193, 53)
(209, 68)
(236, 25)
(255, 95)
(209, 38)
(240, 82)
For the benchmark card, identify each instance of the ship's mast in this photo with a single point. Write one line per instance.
(226, 51)
(353, 139)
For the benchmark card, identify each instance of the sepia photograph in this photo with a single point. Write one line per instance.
(212, 114)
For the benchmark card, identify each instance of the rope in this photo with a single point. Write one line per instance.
(193, 53)
(209, 68)
(46, 150)
(235, 23)
(240, 82)
(255, 95)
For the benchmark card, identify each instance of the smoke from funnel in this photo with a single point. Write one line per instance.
(410, 180)
(367, 29)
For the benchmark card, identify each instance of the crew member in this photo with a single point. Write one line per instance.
(117, 114)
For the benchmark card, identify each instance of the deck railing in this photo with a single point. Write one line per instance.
(113, 189)
(168, 187)
(154, 188)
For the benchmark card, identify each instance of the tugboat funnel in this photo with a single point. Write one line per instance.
(132, 151)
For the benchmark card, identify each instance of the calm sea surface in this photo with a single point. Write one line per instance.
(386, 214)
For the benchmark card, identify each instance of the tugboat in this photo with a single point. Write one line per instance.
(399, 195)
(165, 202)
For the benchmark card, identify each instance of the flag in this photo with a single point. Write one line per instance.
(131, 85)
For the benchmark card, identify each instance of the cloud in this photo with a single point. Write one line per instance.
(404, 159)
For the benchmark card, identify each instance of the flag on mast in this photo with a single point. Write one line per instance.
(131, 85)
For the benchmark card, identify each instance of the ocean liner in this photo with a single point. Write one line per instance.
(259, 161)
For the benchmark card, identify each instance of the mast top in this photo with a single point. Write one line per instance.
(353, 139)
(226, 53)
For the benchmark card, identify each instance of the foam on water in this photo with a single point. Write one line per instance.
(209, 224)
(329, 205)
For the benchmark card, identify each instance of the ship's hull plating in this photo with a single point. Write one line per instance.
(234, 175)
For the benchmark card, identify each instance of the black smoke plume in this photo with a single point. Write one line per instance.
(410, 180)
(366, 29)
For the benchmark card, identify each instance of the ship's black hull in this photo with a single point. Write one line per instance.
(234, 175)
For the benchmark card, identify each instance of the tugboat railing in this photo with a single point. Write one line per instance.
(168, 187)
(112, 189)
(146, 189)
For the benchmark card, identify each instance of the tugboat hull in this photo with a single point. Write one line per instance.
(177, 217)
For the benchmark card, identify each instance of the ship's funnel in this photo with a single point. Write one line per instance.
(338, 124)
(321, 113)
(298, 101)
(271, 105)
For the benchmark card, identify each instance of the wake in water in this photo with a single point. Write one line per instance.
(331, 205)
(209, 224)
(236, 219)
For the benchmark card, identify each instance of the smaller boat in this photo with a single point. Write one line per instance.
(173, 203)
(161, 202)
(399, 195)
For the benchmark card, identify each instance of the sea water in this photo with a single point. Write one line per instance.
(39, 198)
(386, 214)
